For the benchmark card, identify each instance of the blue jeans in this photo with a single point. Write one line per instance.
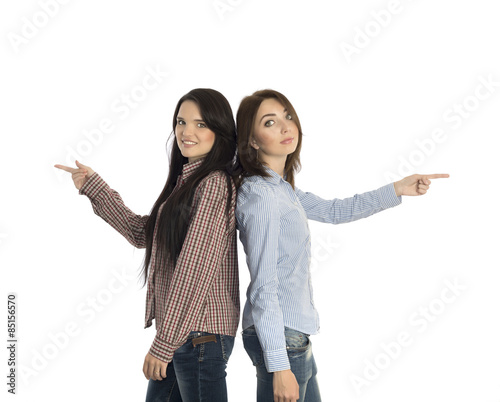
(302, 364)
(196, 373)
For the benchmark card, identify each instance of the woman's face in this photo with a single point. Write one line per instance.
(275, 134)
(194, 138)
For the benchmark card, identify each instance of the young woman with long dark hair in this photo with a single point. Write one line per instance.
(190, 265)
(272, 213)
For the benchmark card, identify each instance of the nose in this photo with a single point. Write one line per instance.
(188, 130)
(286, 127)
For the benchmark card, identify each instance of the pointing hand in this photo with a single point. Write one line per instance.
(416, 184)
(80, 175)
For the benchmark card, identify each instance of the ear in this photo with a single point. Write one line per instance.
(253, 144)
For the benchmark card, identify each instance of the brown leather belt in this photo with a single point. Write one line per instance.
(204, 339)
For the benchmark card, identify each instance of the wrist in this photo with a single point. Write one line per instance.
(397, 188)
(282, 372)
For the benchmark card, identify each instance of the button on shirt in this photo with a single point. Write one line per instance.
(201, 292)
(272, 221)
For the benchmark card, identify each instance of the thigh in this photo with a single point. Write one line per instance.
(201, 369)
(299, 349)
(312, 393)
(303, 365)
(166, 390)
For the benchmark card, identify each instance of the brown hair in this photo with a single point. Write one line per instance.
(248, 159)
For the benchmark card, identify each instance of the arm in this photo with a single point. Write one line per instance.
(363, 205)
(348, 209)
(108, 204)
(197, 267)
(259, 219)
(259, 222)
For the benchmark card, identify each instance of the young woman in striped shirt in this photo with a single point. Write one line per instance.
(272, 214)
(190, 266)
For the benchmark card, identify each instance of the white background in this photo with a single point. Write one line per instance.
(361, 114)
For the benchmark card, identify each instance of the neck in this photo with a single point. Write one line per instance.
(277, 164)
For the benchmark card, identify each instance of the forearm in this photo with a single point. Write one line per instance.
(398, 188)
(345, 210)
(269, 326)
(108, 204)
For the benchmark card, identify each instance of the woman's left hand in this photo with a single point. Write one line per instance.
(154, 369)
(416, 184)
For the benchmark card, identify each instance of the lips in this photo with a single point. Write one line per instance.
(188, 144)
(287, 141)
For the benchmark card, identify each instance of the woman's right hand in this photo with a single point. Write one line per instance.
(80, 175)
(285, 386)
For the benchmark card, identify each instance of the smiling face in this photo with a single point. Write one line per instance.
(194, 139)
(275, 133)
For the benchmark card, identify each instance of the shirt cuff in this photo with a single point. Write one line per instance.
(92, 186)
(388, 197)
(161, 350)
(276, 360)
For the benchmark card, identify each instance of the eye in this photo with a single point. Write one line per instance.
(269, 123)
(181, 122)
(202, 125)
(289, 117)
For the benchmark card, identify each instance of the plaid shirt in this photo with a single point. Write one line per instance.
(201, 292)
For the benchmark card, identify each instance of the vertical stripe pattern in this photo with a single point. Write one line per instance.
(272, 219)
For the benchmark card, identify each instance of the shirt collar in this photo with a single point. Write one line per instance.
(189, 168)
(274, 177)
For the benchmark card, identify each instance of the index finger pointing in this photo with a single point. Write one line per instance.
(437, 176)
(66, 168)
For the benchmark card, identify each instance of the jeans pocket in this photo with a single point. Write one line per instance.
(297, 343)
(226, 344)
(206, 349)
(252, 346)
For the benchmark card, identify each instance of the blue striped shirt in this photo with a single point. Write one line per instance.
(272, 221)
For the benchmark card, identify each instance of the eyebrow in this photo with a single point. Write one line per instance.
(271, 114)
(182, 118)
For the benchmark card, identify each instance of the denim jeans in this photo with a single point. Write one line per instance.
(196, 373)
(302, 364)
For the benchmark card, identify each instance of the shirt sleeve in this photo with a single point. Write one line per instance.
(348, 209)
(259, 222)
(108, 204)
(197, 267)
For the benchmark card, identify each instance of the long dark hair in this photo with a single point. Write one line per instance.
(248, 158)
(174, 219)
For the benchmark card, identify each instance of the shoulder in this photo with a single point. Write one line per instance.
(257, 184)
(299, 192)
(255, 187)
(256, 197)
(215, 183)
